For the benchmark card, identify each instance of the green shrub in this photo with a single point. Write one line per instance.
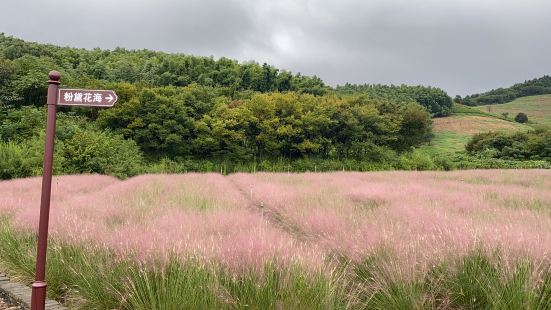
(481, 161)
(434, 100)
(25, 159)
(94, 151)
(13, 162)
(533, 145)
(20, 124)
(79, 150)
(416, 160)
(521, 118)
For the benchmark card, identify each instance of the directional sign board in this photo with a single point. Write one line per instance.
(86, 97)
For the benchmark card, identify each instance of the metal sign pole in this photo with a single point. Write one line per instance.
(62, 97)
(38, 299)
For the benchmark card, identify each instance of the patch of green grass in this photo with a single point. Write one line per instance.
(483, 283)
(452, 133)
(532, 204)
(518, 203)
(174, 286)
(373, 285)
(196, 200)
(479, 280)
(179, 285)
(446, 142)
(538, 109)
(368, 205)
(463, 109)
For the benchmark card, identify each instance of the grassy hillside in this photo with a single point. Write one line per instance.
(538, 109)
(452, 133)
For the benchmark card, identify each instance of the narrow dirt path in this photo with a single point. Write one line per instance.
(274, 217)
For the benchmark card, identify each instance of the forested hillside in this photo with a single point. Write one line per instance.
(538, 86)
(186, 113)
(192, 111)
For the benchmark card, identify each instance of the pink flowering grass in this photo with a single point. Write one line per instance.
(334, 240)
(250, 219)
(157, 216)
(420, 216)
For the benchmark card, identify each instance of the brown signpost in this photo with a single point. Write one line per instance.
(66, 97)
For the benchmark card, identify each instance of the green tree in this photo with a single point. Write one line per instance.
(415, 128)
(159, 123)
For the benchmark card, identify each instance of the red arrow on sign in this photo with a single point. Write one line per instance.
(86, 97)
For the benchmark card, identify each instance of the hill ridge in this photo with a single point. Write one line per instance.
(537, 86)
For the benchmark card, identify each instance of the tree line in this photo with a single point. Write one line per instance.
(539, 86)
(186, 113)
(435, 100)
(23, 64)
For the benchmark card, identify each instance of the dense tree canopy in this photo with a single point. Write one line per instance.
(271, 125)
(23, 64)
(435, 100)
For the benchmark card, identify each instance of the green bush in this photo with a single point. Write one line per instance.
(521, 118)
(434, 100)
(20, 124)
(416, 160)
(534, 145)
(13, 162)
(94, 151)
(482, 161)
(34, 152)
(26, 158)
(80, 150)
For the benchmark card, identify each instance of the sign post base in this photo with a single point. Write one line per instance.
(38, 297)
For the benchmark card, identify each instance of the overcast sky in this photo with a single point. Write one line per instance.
(462, 46)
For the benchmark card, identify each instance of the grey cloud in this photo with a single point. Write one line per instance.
(201, 27)
(463, 46)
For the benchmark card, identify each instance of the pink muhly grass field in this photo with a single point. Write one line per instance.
(245, 220)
